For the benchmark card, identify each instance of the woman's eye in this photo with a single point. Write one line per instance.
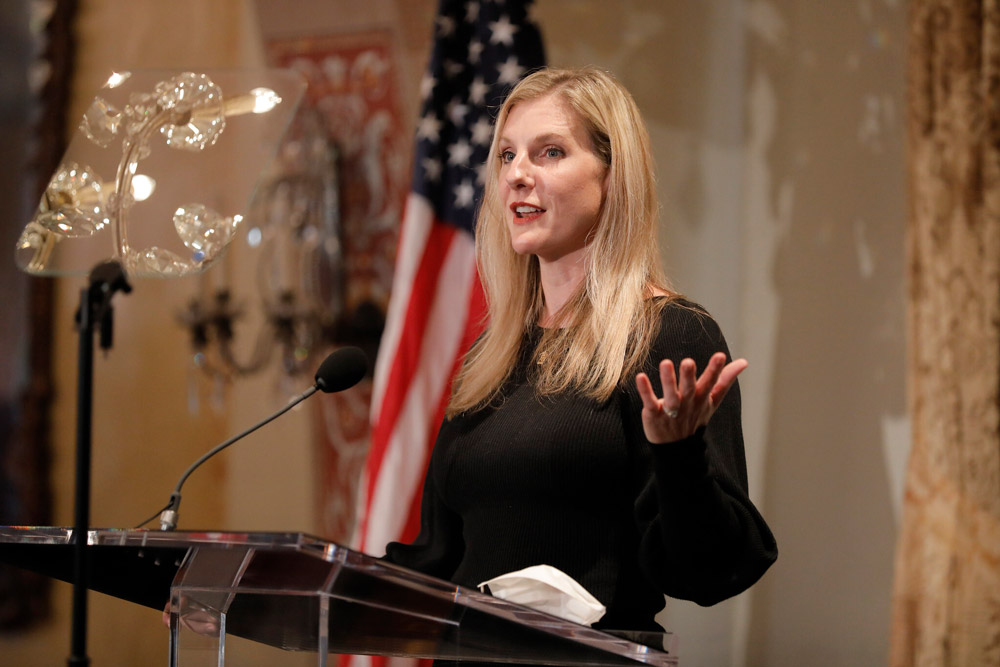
(506, 157)
(552, 151)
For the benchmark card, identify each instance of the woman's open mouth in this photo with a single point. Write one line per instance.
(526, 212)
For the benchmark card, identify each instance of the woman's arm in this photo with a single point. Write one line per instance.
(701, 538)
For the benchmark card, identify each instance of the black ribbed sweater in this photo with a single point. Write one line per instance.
(573, 483)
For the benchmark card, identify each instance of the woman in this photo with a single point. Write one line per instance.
(570, 440)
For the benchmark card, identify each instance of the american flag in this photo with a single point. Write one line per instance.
(481, 49)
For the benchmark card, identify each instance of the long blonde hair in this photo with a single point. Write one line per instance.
(607, 326)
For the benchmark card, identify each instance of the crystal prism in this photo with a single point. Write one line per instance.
(101, 122)
(72, 205)
(197, 110)
(203, 230)
(156, 261)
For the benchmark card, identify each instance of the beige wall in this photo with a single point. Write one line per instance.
(836, 427)
(777, 128)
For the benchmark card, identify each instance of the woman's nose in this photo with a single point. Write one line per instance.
(519, 172)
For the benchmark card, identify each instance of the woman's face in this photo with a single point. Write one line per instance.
(552, 183)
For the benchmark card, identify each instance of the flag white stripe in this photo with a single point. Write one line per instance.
(415, 230)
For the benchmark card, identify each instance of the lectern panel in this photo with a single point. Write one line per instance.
(300, 593)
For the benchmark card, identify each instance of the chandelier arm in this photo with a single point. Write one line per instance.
(127, 167)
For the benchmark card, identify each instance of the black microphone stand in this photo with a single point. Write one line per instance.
(106, 279)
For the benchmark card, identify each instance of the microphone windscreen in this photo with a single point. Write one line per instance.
(343, 368)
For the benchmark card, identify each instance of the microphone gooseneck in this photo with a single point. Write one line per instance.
(342, 369)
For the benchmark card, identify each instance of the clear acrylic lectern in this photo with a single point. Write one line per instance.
(301, 593)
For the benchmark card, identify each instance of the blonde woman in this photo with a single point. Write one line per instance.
(580, 434)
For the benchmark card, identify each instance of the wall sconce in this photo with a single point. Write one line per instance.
(294, 227)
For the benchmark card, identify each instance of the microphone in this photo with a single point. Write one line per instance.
(342, 369)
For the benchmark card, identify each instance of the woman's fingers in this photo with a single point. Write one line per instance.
(727, 377)
(685, 390)
(646, 393)
(710, 377)
(671, 397)
(689, 400)
(687, 383)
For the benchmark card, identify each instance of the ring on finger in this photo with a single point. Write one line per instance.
(670, 412)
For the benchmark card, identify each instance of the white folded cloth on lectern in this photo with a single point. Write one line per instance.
(547, 589)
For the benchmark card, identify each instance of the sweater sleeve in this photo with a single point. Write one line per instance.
(700, 536)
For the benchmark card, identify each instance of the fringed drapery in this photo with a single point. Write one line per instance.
(947, 588)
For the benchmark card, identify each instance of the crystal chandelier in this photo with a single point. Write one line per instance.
(92, 198)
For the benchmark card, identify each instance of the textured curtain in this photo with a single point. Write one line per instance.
(947, 588)
(37, 62)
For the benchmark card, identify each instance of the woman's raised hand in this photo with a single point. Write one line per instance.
(688, 403)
